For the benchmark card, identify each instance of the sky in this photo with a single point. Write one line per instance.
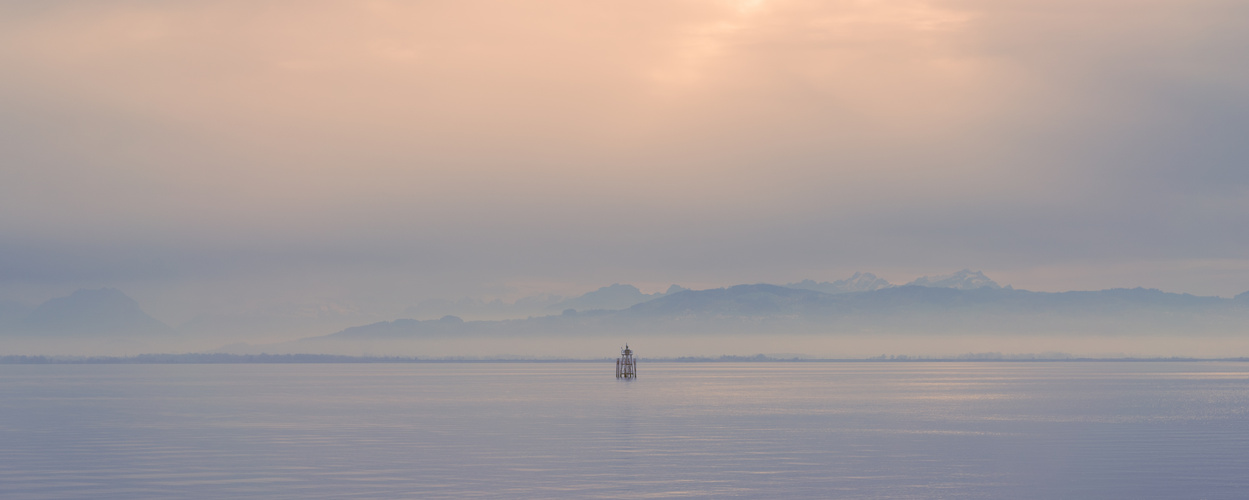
(226, 156)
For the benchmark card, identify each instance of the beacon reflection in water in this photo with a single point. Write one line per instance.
(626, 364)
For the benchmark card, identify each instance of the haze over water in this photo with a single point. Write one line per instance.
(309, 176)
(569, 430)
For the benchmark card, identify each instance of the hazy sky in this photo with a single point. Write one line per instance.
(203, 156)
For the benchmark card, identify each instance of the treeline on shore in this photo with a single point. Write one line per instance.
(221, 358)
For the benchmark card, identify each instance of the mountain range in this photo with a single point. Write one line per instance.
(763, 309)
(966, 302)
(622, 296)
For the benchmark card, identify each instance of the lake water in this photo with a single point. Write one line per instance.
(571, 430)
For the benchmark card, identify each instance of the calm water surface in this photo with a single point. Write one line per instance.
(556, 430)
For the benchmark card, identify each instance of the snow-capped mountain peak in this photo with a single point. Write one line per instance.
(962, 280)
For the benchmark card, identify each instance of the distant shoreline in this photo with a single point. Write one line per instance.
(174, 359)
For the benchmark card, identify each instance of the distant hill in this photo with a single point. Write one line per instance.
(105, 312)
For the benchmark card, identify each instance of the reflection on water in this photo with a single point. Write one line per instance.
(816, 430)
